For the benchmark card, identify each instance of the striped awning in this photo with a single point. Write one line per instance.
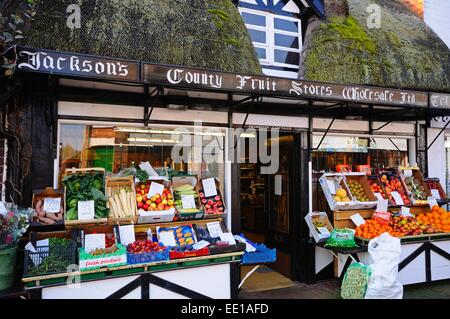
(284, 7)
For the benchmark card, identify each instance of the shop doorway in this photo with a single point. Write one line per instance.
(268, 205)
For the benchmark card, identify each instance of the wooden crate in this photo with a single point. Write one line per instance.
(111, 183)
(48, 192)
(437, 185)
(417, 175)
(341, 219)
(71, 224)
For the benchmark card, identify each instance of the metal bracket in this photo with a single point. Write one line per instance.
(147, 109)
(435, 139)
(398, 149)
(323, 137)
(258, 101)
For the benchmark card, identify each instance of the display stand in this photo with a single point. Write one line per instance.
(423, 258)
(195, 278)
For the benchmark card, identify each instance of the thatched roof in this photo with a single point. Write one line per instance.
(195, 33)
(404, 52)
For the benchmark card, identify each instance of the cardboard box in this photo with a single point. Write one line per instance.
(162, 216)
(199, 188)
(361, 178)
(82, 171)
(338, 180)
(418, 180)
(320, 233)
(187, 215)
(125, 181)
(434, 183)
(41, 194)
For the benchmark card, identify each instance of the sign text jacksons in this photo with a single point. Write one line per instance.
(194, 78)
(62, 63)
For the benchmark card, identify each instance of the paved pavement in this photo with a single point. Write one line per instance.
(329, 289)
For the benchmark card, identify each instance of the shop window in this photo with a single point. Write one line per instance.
(275, 31)
(115, 148)
(354, 151)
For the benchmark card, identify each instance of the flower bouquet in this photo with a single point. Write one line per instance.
(14, 223)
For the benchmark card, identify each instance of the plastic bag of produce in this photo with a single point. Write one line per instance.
(384, 257)
(355, 281)
(341, 238)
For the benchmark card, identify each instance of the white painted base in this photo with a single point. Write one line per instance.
(415, 271)
(211, 281)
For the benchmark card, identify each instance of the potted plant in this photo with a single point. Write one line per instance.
(14, 223)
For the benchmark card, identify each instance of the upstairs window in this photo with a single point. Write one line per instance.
(276, 35)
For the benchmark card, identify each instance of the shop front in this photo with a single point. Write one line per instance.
(264, 141)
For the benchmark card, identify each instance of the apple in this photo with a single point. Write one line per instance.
(169, 196)
(145, 207)
(158, 201)
(204, 200)
(207, 206)
(217, 198)
(153, 205)
(219, 203)
(158, 195)
(164, 201)
(148, 202)
(139, 199)
(153, 198)
(170, 202)
(140, 204)
(160, 207)
(144, 198)
(201, 194)
(210, 202)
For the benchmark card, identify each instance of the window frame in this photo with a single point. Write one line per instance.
(270, 31)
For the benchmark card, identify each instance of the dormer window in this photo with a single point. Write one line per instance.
(275, 30)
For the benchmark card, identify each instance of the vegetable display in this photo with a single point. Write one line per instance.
(184, 190)
(44, 217)
(104, 251)
(85, 187)
(122, 201)
(53, 259)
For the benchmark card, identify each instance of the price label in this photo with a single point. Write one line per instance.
(331, 186)
(167, 238)
(145, 166)
(94, 241)
(357, 219)
(324, 231)
(215, 230)
(406, 212)
(52, 205)
(435, 194)
(397, 198)
(431, 201)
(209, 187)
(201, 244)
(86, 210)
(155, 188)
(228, 237)
(188, 201)
(127, 235)
(378, 196)
(407, 173)
(382, 205)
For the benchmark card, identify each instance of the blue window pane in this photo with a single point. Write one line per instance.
(257, 36)
(261, 53)
(286, 25)
(287, 41)
(287, 57)
(254, 19)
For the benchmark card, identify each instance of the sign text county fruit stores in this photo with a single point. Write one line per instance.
(79, 65)
(195, 78)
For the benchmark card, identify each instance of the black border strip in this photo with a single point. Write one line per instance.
(175, 288)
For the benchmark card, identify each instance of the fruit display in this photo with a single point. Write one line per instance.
(438, 218)
(342, 196)
(357, 191)
(184, 235)
(144, 246)
(213, 205)
(375, 186)
(410, 226)
(392, 183)
(122, 201)
(159, 202)
(434, 184)
(374, 228)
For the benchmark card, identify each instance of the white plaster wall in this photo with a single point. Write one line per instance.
(437, 156)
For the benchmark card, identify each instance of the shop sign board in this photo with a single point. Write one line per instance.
(442, 101)
(256, 84)
(80, 65)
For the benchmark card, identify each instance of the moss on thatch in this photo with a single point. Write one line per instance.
(404, 52)
(194, 33)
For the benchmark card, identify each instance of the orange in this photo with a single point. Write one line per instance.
(442, 211)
